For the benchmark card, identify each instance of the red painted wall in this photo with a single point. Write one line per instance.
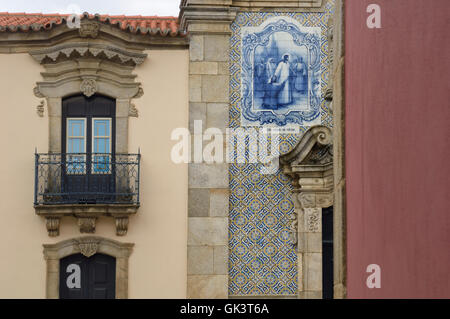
(398, 148)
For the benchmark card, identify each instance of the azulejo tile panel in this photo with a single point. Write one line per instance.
(262, 259)
(280, 68)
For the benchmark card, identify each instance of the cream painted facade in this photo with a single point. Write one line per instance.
(158, 230)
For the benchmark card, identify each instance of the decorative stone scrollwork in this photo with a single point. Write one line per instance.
(133, 111)
(37, 92)
(88, 87)
(87, 49)
(313, 220)
(40, 109)
(89, 29)
(310, 166)
(139, 93)
(88, 246)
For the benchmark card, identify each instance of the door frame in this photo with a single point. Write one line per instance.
(87, 246)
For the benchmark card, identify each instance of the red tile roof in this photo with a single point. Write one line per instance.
(151, 25)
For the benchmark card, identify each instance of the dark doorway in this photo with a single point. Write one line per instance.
(87, 278)
(88, 149)
(327, 253)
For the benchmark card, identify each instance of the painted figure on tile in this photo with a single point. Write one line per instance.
(282, 81)
(301, 76)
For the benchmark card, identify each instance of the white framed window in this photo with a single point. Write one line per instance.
(101, 145)
(76, 145)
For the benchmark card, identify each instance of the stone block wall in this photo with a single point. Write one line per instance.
(208, 183)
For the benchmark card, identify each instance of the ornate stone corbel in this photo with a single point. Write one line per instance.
(88, 87)
(40, 109)
(52, 224)
(121, 226)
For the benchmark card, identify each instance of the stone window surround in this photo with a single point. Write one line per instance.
(310, 166)
(87, 68)
(88, 246)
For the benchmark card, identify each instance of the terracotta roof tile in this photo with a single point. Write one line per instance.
(151, 25)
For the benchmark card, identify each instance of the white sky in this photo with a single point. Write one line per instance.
(114, 7)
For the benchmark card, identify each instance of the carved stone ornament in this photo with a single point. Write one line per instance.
(121, 226)
(310, 166)
(89, 29)
(88, 247)
(313, 220)
(52, 224)
(86, 49)
(88, 87)
(133, 111)
(40, 109)
(139, 93)
(37, 92)
(87, 224)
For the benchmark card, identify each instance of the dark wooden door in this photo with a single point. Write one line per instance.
(87, 278)
(327, 253)
(88, 147)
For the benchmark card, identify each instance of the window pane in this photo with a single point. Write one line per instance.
(101, 127)
(76, 128)
(101, 145)
(75, 145)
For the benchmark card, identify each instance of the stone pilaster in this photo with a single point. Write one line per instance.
(339, 208)
(310, 167)
(208, 25)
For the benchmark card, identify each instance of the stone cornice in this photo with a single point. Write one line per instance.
(211, 15)
(83, 49)
(18, 42)
(316, 135)
(224, 11)
(282, 4)
(310, 166)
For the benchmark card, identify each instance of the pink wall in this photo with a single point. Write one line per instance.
(398, 148)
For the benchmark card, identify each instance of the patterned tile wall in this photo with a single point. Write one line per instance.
(262, 259)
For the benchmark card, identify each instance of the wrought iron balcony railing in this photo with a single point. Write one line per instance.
(86, 178)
